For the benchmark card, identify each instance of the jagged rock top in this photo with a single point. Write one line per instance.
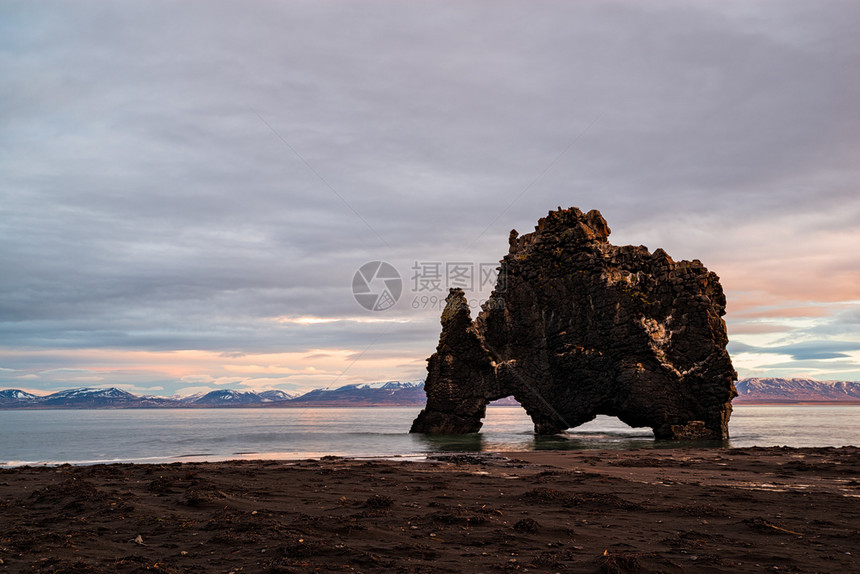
(567, 226)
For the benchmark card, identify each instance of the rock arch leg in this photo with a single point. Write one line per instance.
(460, 375)
(445, 419)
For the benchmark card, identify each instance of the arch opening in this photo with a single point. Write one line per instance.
(608, 427)
(507, 413)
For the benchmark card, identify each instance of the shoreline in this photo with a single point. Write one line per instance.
(349, 405)
(646, 510)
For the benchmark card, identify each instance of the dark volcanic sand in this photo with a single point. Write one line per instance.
(680, 510)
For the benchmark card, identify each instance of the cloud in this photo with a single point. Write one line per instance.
(782, 312)
(274, 383)
(204, 177)
(844, 322)
(227, 381)
(822, 370)
(757, 328)
(197, 379)
(174, 370)
(805, 351)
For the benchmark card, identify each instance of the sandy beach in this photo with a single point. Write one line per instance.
(678, 510)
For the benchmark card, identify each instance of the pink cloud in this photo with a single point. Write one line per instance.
(783, 312)
(757, 328)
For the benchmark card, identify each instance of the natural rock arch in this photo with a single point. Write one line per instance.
(578, 327)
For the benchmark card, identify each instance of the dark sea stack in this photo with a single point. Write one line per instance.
(578, 327)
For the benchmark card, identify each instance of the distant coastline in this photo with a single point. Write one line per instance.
(751, 391)
(765, 403)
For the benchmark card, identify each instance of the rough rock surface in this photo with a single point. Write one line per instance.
(578, 327)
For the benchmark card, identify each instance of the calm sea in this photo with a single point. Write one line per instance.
(82, 436)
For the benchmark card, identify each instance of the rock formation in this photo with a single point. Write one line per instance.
(578, 327)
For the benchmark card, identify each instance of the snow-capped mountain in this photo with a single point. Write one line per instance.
(229, 397)
(16, 396)
(390, 385)
(385, 393)
(766, 390)
(84, 397)
(364, 394)
(87, 396)
(275, 395)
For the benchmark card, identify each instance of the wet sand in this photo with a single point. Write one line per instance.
(678, 510)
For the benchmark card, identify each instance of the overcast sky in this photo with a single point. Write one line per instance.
(187, 189)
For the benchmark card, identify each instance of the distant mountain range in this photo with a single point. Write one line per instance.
(389, 393)
(769, 390)
(230, 398)
(371, 394)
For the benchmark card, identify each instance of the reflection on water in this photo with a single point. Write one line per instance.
(510, 429)
(526, 441)
(153, 435)
(452, 442)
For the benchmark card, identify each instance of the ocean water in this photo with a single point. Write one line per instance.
(179, 435)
